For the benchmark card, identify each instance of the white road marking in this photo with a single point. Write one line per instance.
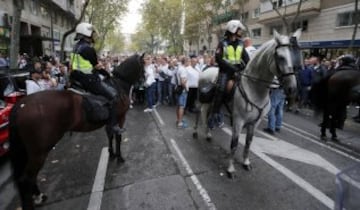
(256, 149)
(203, 193)
(98, 186)
(302, 133)
(161, 121)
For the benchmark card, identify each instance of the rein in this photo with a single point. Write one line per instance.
(245, 96)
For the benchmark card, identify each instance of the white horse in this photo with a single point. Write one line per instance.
(251, 100)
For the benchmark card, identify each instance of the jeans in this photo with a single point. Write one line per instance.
(150, 95)
(159, 88)
(275, 115)
(181, 100)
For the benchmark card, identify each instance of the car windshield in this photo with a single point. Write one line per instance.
(12, 82)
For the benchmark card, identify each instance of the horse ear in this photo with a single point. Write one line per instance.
(297, 33)
(276, 35)
(142, 56)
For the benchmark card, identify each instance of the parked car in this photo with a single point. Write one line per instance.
(12, 87)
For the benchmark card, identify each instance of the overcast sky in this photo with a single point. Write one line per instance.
(132, 18)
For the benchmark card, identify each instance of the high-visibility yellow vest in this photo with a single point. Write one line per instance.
(80, 64)
(232, 55)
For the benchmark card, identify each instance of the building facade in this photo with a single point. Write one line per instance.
(327, 25)
(43, 23)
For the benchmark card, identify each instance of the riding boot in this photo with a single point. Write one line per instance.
(111, 94)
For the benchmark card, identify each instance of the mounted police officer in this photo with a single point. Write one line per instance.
(86, 70)
(231, 57)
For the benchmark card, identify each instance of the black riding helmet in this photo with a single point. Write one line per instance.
(347, 59)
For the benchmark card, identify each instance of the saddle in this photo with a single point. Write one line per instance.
(96, 108)
(207, 93)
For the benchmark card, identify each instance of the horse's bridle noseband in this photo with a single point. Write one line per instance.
(282, 75)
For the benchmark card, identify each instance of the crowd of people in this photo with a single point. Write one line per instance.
(174, 80)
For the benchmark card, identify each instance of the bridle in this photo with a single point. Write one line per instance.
(282, 75)
(242, 91)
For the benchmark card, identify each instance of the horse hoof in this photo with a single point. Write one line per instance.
(230, 175)
(247, 167)
(209, 139)
(195, 135)
(120, 159)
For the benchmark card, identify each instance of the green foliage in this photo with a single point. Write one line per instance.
(162, 24)
(103, 14)
(114, 42)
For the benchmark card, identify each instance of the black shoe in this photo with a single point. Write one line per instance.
(277, 129)
(269, 131)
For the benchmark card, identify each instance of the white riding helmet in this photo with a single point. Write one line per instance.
(233, 25)
(85, 29)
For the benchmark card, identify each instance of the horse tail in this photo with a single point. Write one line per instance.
(18, 154)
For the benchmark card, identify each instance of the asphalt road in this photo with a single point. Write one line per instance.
(166, 168)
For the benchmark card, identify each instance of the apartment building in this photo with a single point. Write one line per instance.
(43, 23)
(327, 24)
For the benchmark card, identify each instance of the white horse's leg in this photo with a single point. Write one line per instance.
(249, 137)
(204, 121)
(236, 129)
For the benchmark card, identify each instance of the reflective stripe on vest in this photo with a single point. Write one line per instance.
(80, 64)
(231, 55)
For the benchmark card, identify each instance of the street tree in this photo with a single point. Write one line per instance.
(162, 20)
(72, 30)
(281, 8)
(356, 17)
(104, 14)
(115, 42)
(18, 6)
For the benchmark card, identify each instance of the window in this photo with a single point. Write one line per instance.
(346, 18)
(44, 11)
(277, 3)
(256, 32)
(278, 28)
(300, 24)
(245, 16)
(256, 12)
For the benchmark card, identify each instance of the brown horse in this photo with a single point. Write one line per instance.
(331, 95)
(39, 121)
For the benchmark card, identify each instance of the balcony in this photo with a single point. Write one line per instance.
(308, 8)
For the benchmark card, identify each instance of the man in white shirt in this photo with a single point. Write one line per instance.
(193, 82)
(250, 49)
(32, 84)
(182, 81)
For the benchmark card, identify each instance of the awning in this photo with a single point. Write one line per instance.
(329, 44)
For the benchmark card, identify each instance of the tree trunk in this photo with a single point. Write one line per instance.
(15, 33)
(356, 23)
(72, 30)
